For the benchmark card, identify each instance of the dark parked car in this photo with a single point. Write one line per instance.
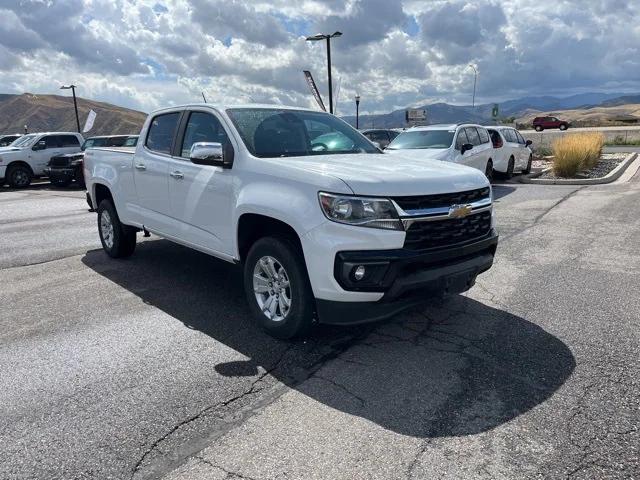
(64, 169)
(540, 123)
(382, 137)
(6, 140)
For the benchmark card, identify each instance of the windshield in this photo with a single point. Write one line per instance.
(422, 139)
(273, 132)
(24, 141)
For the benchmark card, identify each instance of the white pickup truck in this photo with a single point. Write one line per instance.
(326, 226)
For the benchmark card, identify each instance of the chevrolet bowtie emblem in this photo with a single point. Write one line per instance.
(459, 211)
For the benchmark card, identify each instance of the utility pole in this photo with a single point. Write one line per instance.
(321, 36)
(475, 78)
(357, 111)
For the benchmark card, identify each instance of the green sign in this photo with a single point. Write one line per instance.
(494, 110)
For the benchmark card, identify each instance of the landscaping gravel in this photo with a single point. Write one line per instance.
(607, 162)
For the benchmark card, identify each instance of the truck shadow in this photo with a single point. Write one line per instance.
(457, 368)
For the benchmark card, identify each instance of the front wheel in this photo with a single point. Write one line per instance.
(18, 176)
(527, 170)
(488, 171)
(277, 287)
(118, 240)
(563, 127)
(510, 167)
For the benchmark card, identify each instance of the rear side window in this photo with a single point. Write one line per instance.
(69, 141)
(51, 141)
(378, 136)
(484, 136)
(472, 135)
(162, 131)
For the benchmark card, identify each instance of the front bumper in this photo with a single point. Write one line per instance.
(405, 279)
(66, 173)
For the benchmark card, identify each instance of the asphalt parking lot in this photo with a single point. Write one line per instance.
(149, 367)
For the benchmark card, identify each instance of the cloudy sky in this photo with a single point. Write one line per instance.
(146, 54)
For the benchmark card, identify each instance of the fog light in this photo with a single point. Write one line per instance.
(358, 272)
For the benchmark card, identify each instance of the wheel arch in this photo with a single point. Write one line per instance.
(253, 226)
(20, 163)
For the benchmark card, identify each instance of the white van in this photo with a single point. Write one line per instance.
(461, 143)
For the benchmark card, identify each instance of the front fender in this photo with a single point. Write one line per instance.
(296, 205)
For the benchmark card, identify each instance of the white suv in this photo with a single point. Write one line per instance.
(28, 156)
(512, 152)
(463, 143)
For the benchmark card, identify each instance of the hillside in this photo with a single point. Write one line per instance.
(590, 109)
(56, 113)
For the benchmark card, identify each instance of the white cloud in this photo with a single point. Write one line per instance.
(150, 53)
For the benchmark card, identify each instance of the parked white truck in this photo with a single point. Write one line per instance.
(28, 156)
(326, 226)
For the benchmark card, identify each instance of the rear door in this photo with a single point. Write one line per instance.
(523, 151)
(201, 195)
(474, 157)
(69, 144)
(151, 171)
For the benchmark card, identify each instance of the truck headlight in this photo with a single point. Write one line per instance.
(360, 211)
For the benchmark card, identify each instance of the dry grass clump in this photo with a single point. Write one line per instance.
(576, 152)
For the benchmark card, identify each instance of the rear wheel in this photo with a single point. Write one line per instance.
(538, 128)
(18, 176)
(509, 173)
(277, 287)
(527, 170)
(488, 171)
(118, 240)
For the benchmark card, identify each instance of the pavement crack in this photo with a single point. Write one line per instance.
(230, 473)
(343, 388)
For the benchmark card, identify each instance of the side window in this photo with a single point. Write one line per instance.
(484, 136)
(161, 132)
(519, 136)
(472, 135)
(379, 136)
(51, 141)
(202, 127)
(461, 139)
(508, 135)
(393, 134)
(69, 141)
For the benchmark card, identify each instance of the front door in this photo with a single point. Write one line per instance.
(201, 195)
(151, 172)
(40, 158)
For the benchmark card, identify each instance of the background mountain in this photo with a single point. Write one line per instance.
(522, 109)
(55, 113)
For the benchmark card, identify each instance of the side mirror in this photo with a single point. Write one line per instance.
(465, 147)
(211, 153)
(41, 145)
(528, 143)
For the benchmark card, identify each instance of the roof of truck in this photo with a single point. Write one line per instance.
(218, 106)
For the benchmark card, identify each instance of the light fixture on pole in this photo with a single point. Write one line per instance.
(475, 78)
(318, 37)
(357, 111)
(75, 103)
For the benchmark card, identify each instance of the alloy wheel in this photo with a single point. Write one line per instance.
(106, 228)
(271, 288)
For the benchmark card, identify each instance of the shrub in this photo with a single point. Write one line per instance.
(576, 152)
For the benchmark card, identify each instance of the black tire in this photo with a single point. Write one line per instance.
(563, 127)
(509, 173)
(539, 128)
(297, 320)
(79, 178)
(488, 171)
(18, 176)
(60, 182)
(527, 170)
(122, 239)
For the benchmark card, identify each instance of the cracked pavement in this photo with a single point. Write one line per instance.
(149, 367)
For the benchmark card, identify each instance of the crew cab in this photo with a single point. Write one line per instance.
(66, 168)
(339, 235)
(28, 156)
(461, 143)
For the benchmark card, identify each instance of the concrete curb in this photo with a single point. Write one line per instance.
(612, 176)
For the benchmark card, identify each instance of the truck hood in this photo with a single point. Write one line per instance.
(421, 153)
(394, 175)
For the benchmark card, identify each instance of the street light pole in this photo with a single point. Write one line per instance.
(357, 111)
(321, 36)
(75, 103)
(475, 78)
